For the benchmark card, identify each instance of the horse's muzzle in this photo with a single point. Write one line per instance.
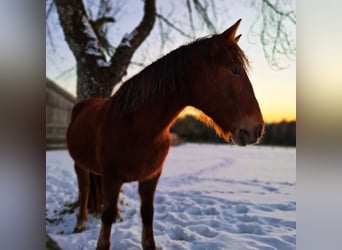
(244, 136)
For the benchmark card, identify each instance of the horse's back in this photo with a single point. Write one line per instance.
(81, 134)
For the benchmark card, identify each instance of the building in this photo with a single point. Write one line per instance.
(59, 104)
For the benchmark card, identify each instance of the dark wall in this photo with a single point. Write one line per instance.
(283, 133)
(189, 129)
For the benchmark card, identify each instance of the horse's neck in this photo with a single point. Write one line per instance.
(158, 117)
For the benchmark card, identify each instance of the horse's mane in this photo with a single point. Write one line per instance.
(166, 76)
(238, 56)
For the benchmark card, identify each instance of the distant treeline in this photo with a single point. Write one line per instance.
(189, 129)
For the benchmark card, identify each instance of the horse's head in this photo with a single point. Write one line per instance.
(223, 91)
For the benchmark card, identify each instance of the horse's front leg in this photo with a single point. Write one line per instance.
(146, 191)
(110, 192)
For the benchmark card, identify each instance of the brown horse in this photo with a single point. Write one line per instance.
(126, 137)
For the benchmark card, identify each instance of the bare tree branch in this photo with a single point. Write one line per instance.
(203, 12)
(65, 73)
(163, 34)
(106, 12)
(191, 21)
(130, 42)
(49, 9)
(101, 33)
(288, 14)
(50, 38)
(165, 20)
(48, 28)
(213, 8)
(274, 37)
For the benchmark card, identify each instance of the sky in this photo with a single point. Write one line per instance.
(274, 89)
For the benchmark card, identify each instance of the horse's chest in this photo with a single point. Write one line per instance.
(148, 162)
(143, 160)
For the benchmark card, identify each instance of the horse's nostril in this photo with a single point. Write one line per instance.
(243, 136)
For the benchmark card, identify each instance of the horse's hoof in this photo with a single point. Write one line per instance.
(119, 219)
(151, 247)
(79, 229)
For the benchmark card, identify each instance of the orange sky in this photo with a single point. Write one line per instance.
(275, 90)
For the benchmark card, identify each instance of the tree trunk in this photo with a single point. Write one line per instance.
(97, 77)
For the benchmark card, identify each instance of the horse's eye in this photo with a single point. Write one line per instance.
(236, 71)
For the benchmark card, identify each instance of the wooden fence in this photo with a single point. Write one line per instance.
(59, 104)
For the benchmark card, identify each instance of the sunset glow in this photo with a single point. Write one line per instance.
(277, 114)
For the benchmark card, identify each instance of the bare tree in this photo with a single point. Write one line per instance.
(96, 76)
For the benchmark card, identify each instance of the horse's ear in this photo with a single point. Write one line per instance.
(229, 34)
(237, 38)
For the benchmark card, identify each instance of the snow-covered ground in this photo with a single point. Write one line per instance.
(209, 197)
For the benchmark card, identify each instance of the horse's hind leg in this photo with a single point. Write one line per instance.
(146, 192)
(110, 192)
(83, 188)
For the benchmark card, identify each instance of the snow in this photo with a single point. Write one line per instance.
(92, 48)
(209, 197)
